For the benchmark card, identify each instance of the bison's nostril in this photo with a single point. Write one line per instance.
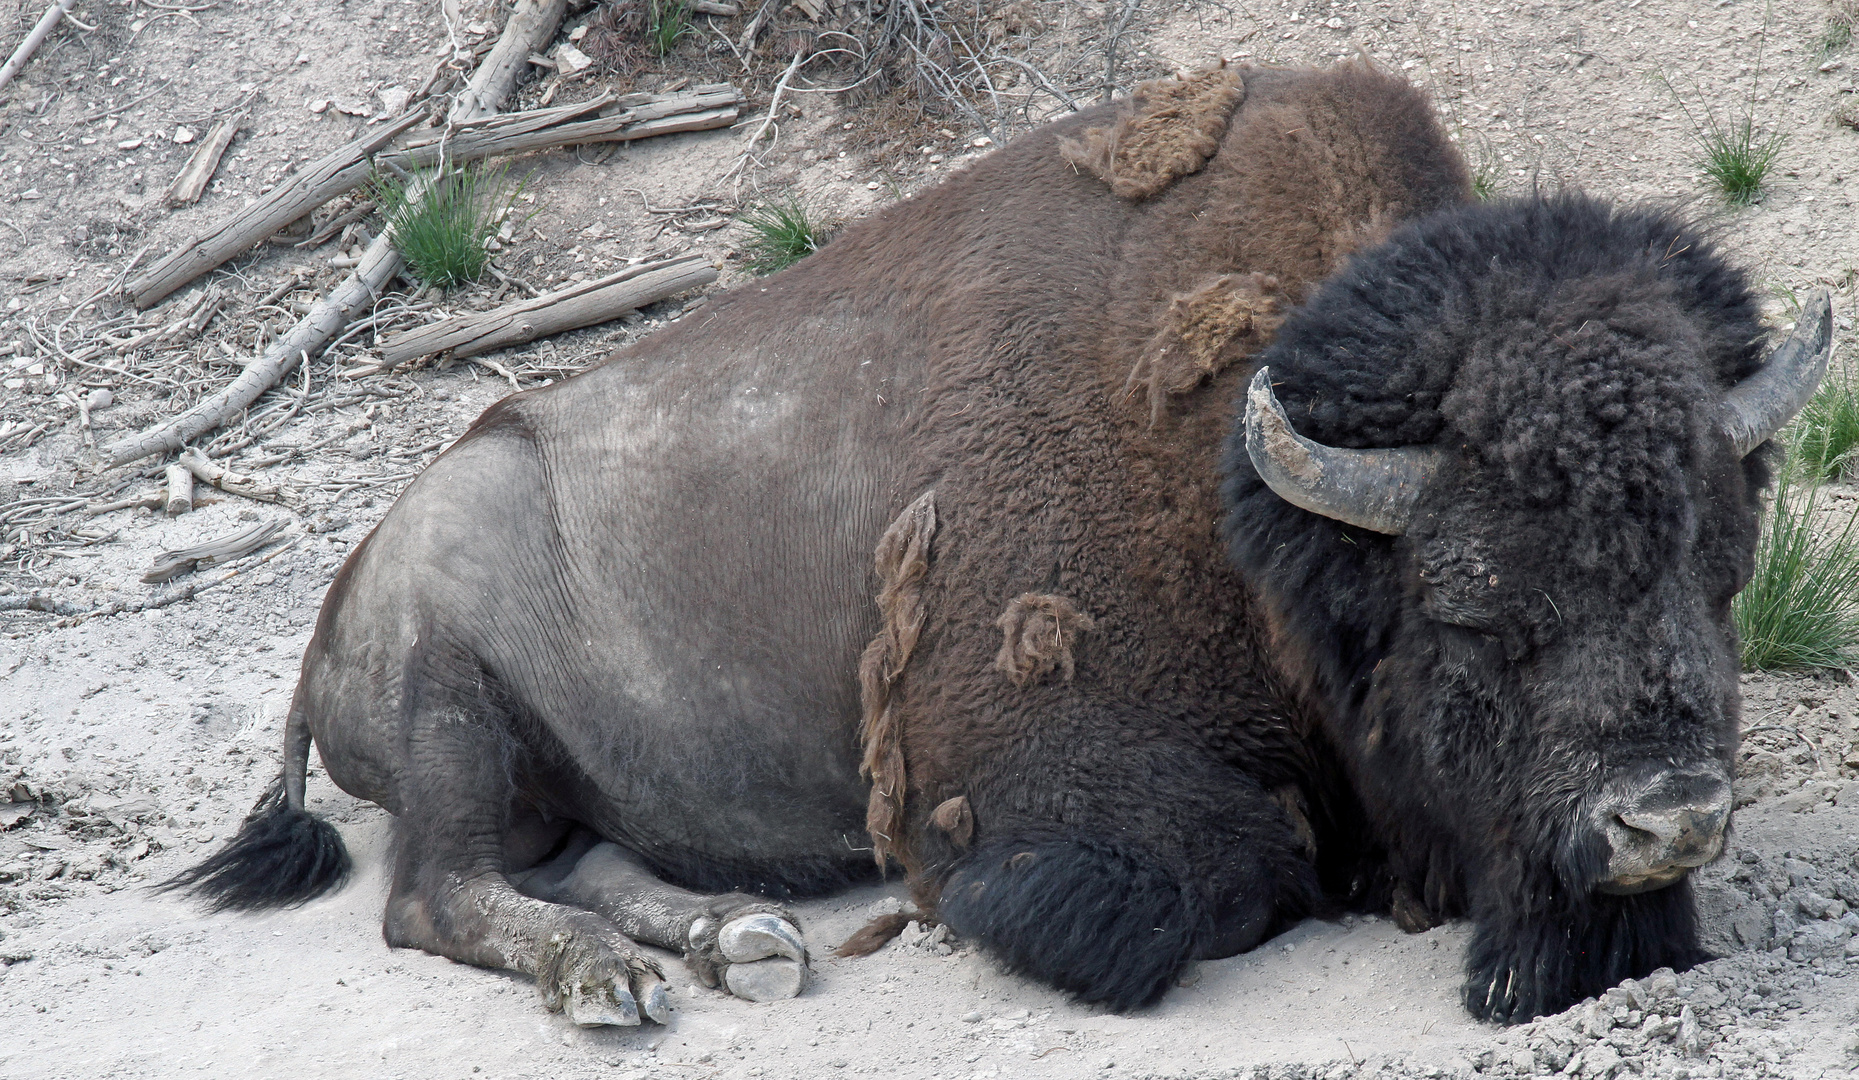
(1670, 825)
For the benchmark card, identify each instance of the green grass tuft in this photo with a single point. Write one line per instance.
(1801, 608)
(1737, 158)
(666, 22)
(1823, 442)
(785, 233)
(441, 233)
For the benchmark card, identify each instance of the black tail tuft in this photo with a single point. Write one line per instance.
(282, 857)
(1105, 924)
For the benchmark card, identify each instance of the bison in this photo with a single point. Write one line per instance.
(949, 547)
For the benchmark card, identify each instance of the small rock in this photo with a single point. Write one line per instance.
(319, 105)
(129, 144)
(972, 1017)
(394, 99)
(99, 398)
(183, 134)
(1690, 1039)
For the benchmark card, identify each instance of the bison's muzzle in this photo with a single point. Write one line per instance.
(1659, 829)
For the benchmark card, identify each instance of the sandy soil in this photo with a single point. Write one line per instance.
(129, 745)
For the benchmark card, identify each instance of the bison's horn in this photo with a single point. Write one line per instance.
(1370, 489)
(1759, 405)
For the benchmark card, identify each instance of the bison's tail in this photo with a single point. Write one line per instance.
(283, 855)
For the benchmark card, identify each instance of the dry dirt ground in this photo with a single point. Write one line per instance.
(130, 744)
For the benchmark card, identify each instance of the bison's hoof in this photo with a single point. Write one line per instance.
(605, 1004)
(757, 955)
(759, 936)
(766, 980)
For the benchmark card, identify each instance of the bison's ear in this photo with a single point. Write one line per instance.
(1170, 129)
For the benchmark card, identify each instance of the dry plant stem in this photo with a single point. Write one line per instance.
(755, 25)
(233, 483)
(33, 40)
(306, 190)
(774, 103)
(200, 167)
(180, 488)
(552, 313)
(530, 29)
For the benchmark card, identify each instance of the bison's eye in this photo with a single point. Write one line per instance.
(1461, 587)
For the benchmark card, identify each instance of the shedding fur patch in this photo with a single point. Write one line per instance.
(1205, 331)
(1169, 131)
(1037, 632)
(902, 560)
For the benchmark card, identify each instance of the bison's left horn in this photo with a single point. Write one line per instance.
(1758, 406)
(1370, 489)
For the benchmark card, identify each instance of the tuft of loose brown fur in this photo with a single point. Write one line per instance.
(1169, 131)
(875, 934)
(901, 561)
(1037, 631)
(1205, 331)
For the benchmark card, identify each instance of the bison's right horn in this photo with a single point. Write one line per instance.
(1758, 406)
(1370, 489)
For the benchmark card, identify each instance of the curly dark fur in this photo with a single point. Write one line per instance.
(281, 857)
(1559, 609)
(1109, 925)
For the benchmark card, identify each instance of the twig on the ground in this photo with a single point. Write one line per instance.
(125, 106)
(233, 483)
(47, 21)
(774, 103)
(193, 178)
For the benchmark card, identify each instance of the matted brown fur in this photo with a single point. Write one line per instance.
(1037, 633)
(1170, 129)
(901, 561)
(1205, 331)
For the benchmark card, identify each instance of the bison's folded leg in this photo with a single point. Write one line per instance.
(1522, 967)
(750, 947)
(451, 897)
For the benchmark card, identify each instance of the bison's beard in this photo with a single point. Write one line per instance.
(1525, 964)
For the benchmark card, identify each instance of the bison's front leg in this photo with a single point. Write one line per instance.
(746, 945)
(450, 895)
(1525, 964)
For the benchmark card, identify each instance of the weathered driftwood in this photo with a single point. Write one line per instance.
(530, 29)
(305, 190)
(639, 116)
(211, 472)
(179, 485)
(325, 320)
(199, 169)
(585, 304)
(172, 564)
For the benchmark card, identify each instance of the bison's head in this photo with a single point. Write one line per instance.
(1522, 440)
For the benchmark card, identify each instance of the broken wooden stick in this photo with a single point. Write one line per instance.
(640, 116)
(172, 564)
(325, 320)
(307, 189)
(40, 32)
(199, 170)
(529, 29)
(233, 483)
(585, 304)
(179, 497)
